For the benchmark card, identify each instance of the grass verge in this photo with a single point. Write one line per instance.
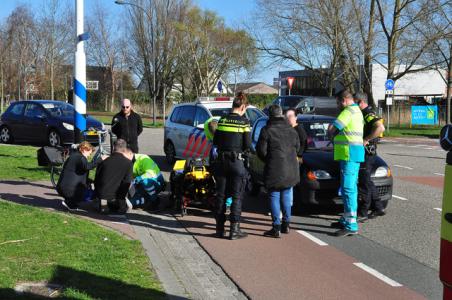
(106, 117)
(21, 163)
(89, 261)
(418, 131)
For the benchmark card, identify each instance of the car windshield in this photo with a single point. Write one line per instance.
(291, 102)
(317, 132)
(219, 112)
(59, 109)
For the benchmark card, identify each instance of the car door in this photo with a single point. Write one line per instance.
(35, 123)
(256, 164)
(253, 114)
(201, 144)
(183, 131)
(14, 120)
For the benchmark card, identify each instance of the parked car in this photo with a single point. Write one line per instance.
(285, 102)
(184, 128)
(315, 105)
(319, 173)
(41, 121)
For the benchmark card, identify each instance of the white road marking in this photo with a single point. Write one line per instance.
(404, 167)
(438, 209)
(400, 198)
(377, 274)
(122, 223)
(439, 174)
(312, 238)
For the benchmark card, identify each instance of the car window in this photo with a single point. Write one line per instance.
(257, 129)
(187, 115)
(317, 134)
(33, 110)
(201, 116)
(252, 115)
(220, 112)
(59, 109)
(291, 102)
(175, 116)
(17, 109)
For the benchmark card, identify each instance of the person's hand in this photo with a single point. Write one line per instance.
(104, 157)
(300, 160)
(365, 142)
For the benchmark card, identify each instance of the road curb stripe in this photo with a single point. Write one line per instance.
(439, 174)
(312, 238)
(378, 274)
(404, 167)
(400, 198)
(438, 209)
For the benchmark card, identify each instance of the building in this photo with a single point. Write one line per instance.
(254, 88)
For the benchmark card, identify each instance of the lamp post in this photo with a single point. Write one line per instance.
(120, 2)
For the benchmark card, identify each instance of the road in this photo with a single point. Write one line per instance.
(404, 244)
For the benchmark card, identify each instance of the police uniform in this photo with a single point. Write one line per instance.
(232, 139)
(367, 188)
(349, 151)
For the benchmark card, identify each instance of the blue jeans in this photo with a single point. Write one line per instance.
(282, 197)
(349, 186)
(147, 190)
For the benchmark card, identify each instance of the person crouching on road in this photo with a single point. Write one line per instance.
(73, 183)
(277, 147)
(373, 128)
(347, 130)
(147, 184)
(232, 139)
(113, 178)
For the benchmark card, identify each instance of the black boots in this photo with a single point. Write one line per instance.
(235, 232)
(285, 227)
(274, 232)
(220, 227)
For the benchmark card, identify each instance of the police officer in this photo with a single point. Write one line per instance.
(373, 128)
(347, 130)
(232, 139)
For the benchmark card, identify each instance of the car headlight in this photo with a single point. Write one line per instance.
(68, 126)
(382, 172)
(319, 174)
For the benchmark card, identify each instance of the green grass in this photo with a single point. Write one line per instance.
(106, 118)
(91, 262)
(418, 131)
(20, 163)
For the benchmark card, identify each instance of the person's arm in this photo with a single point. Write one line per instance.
(86, 165)
(342, 120)
(139, 125)
(377, 129)
(247, 138)
(151, 170)
(262, 144)
(297, 144)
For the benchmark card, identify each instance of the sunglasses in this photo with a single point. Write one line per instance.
(125, 106)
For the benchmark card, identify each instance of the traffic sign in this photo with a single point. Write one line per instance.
(389, 84)
(389, 92)
(290, 82)
(389, 99)
(220, 86)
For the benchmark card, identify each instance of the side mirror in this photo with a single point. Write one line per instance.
(200, 126)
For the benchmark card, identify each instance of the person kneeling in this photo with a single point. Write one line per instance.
(113, 179)
(147, 184)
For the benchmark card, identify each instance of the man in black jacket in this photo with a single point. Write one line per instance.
(113, 178)
(277, 147)
(127, 125)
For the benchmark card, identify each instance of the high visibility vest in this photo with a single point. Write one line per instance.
(348, 143)
(209, 135)
(145, 167)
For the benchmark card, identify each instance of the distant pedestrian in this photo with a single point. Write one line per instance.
(373, 128)
(277, 147)
(347, 130)
(291, 116)
(73, 182)
(127, 125)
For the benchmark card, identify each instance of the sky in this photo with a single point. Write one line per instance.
(234, 12)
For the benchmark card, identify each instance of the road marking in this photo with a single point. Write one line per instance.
(121, 223)
(439, 174)
(404, 167)
(400, 198)
(438, 209)
(312, 238)
(378, 274)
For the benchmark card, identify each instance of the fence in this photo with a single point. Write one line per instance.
(400, 114)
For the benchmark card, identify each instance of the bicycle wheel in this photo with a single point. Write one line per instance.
(55, 172)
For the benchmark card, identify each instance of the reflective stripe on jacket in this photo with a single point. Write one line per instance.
(348, 143)
(145, 167)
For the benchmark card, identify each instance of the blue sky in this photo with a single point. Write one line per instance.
(235, 13)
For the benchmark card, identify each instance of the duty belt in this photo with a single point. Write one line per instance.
(231, 155)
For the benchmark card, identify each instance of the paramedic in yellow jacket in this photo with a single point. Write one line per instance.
(347, 130)
(148, 182)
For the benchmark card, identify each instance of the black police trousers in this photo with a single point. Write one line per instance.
(367, 190)
(230, 176)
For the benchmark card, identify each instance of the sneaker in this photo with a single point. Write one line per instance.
(69, 207)
(337, 225)
(376, 214)
(345, 232)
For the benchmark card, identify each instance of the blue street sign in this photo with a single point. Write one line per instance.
(220, 86)
(389, 84)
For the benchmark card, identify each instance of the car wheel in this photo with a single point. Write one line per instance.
(5, 135)
(170, 153)
(54, 138)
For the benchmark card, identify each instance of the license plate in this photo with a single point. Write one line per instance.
(91, 133)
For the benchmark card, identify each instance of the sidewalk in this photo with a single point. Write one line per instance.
(184, 268)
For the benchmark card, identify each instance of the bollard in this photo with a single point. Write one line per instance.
(445, 262)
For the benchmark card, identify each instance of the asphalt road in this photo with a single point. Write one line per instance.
(404, 244)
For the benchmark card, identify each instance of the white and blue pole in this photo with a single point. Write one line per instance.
(79, 74)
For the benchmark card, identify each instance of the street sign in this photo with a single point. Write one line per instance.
(290, 82)
(220, 86)
(389, 99)
(389, 84)
(389, 92)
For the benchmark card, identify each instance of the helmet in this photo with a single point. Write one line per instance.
(445, 137)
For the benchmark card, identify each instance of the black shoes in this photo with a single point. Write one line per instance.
(345, 232)
(377, 213)
(275, 232)
(285, 227)
(235, 233)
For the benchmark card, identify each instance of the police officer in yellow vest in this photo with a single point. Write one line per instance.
(347, 130)
(232, 139)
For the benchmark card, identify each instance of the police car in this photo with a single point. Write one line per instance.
(184, 129)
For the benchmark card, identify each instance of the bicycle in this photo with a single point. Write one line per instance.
(56, 167)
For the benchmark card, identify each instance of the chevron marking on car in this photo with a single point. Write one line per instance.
(198, 139)
(209, 146)
(191, 137)
(203, 144)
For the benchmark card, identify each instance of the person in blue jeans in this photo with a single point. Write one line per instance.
(277, 147)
